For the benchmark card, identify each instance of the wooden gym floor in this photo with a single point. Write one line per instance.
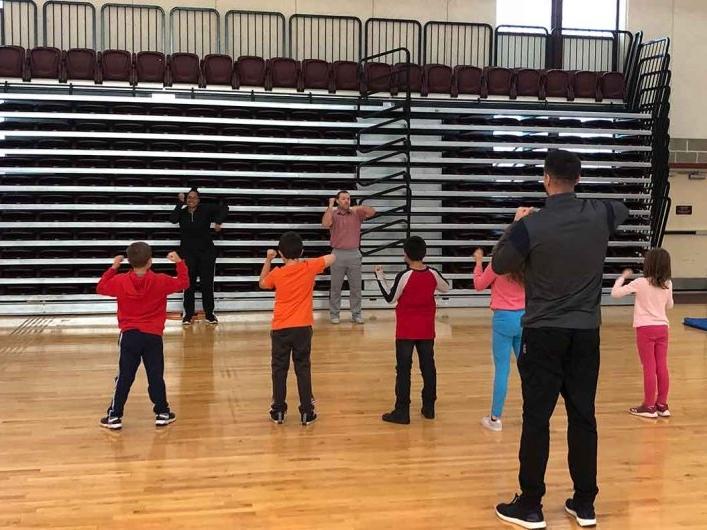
(223, 464)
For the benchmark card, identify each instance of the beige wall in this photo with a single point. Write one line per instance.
(689, 252)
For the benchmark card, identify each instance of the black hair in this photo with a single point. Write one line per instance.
(290, 245)
(415, 248)
(195, 190)
(562, 165)
(338, 193)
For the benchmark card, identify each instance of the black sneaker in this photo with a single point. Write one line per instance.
(397, 416)
(583, 514)
(308, 417)
(428, 411)
(110, 422)
(186, 320)
(278, 416)
(211, 319)
(165, 418)
(518, 513)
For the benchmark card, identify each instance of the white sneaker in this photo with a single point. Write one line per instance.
(358, 320)
(491, 424)
(334, 320)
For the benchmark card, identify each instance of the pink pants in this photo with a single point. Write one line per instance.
(652, 344)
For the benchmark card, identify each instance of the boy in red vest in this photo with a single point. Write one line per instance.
(142, 311)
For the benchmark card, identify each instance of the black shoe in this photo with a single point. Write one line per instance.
(211, 319)
(584, 514)
(165, 418)
(428, 411)
(186, 320)
(111, 422)
(516, 512)
(278, 416)
(397, 416)
(308, 417)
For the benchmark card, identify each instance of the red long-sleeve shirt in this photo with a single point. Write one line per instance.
(142, 300)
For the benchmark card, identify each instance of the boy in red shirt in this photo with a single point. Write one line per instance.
(142, 311)
(414, 291)
(292, 322)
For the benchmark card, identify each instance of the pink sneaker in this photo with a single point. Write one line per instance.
(663, 410)
(644, 412)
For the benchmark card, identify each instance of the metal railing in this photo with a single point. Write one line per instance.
(69, 24)
(143, 27)
(259, 33)
(195, 30)
(453, 43)
(521, 47)
(18, 23)
(330, 38)
(388, 153)
(381, 34)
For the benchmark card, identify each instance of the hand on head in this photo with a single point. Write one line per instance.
(180, 197)
(174, 257)
(627, 273)
(378, 269)
(332, 202)
(478, 254)
(271, 254)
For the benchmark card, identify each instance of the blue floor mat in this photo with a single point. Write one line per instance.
(699, 323)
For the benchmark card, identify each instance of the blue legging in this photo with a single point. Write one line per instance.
(507, 332)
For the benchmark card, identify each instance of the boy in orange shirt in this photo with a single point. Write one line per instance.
(292, 322)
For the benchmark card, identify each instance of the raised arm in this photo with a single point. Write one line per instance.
(364, 212)
(442, 283)
(391, 294)
(175, 284)
(265, 282)
(328, 217)
(513, 247)
(619, 290)
(174, 214)
(107, 286)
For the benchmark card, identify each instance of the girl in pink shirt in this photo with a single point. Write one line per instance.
(508, 305)
(654, 295)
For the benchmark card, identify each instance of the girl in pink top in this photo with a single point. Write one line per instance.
(508, 304)
(654, 295)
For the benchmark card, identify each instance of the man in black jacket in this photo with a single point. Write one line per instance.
(561, 250)
(198, 250)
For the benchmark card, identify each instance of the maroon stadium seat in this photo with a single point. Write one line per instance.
(528, 82)
(377, 77)
(116, 65)
(400, 82)
(586, 84)
(345, 75)
(184, 68)
(316, 74)
(45, 63)
(437, 79)
(217, 69)
(612, 85)
(282, 72)
(250, 71)
(80, 63)
(498, 81)
(12, 62)
(558, 84)
(467, 80)
(150, 67)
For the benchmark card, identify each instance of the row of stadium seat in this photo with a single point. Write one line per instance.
(310, 74)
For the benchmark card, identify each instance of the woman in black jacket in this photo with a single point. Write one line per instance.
(197, 248)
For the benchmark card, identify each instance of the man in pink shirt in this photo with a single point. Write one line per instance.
(344, 224)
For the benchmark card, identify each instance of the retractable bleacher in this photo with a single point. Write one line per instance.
(89, 166)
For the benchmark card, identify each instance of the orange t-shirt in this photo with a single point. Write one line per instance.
(293, 286)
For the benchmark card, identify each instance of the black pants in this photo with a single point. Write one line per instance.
(201, 266)
(559, 361)
(426, 356)
(298, 343)
(136, 345)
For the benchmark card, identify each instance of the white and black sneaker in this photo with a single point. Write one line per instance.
(278, 416)
(211, 319)
(187, 320)
(583, 514)
(165, 418)
(111, 422)
(519, 513)
(308, 417)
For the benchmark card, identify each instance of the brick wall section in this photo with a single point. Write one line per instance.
(688, 150)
